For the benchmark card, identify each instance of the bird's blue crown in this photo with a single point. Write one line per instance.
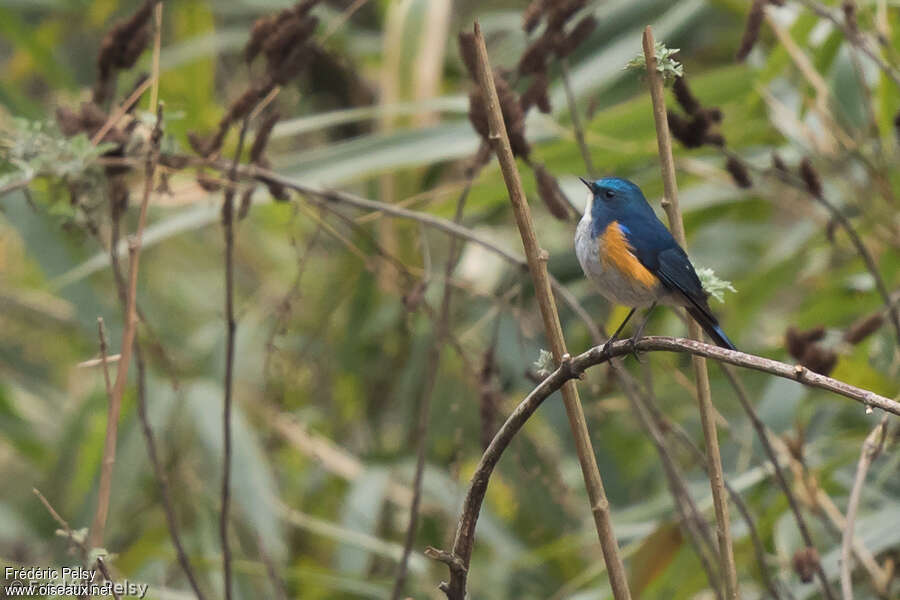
(615, 199)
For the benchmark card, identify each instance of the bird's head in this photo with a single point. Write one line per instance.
(611, 198)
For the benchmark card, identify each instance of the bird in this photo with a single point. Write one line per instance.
(627, 252)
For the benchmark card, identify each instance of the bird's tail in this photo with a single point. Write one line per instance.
(711, 327)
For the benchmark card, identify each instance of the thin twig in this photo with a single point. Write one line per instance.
(576, 118)
(537, 265)
(70, 535)
(128, 334)
(230, 329)
(143, 417)
(109, 445)
(442, 327)
(763, 436)
(870, 449)
(742, 507)
(691, 519)
(704, 400)
(855, 38)
(571, 368)
(123, 108)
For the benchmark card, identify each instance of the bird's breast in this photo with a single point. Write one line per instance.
(609, 261)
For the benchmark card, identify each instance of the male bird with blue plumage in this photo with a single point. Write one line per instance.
(630, 255)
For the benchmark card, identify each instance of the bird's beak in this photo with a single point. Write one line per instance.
(589, 185)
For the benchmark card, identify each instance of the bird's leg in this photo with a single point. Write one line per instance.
(615, 336)
(640, 331)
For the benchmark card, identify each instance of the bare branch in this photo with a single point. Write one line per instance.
(575, 367)
(870, 449)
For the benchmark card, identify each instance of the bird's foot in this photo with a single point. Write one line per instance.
(632, 341)
(604, 351)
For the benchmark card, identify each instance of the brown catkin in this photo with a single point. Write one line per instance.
(863, 328)
(811, 178)
(798, 341)
(778, 163)
(536, 94)
(121, 47)
(805, 562)
(550, 194)
(468, 53)
(532, 15)
(751, 30)
(262, 137)
(478, 114)
(582, 30)
(260, 31)
(738, 172)
(819, 360)
(560, 13)
(685, 97)
(534, 59)
(513, 117)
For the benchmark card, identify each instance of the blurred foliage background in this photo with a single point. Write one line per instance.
(332, 334)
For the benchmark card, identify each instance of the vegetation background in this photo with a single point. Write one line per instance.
(336, 307)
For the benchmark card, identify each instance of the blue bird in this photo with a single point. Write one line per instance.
(630, 255)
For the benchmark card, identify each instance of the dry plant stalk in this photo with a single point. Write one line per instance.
(130, 326)
(537, 265)
(870, 449)
(707, 412)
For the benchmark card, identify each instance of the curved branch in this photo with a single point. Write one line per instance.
(571, 368)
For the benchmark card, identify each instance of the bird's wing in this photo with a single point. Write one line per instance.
(659, 253)
(677, 274)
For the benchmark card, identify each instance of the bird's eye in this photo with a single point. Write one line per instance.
(609, 193)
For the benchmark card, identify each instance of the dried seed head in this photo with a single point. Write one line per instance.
(246, 202)
(797, 341)
(584, 28)
(513, 117)
(751, 30)
(534, 59)
(849, 9)
(806, 563)
(532, 15)
(811, 178)
(714, 139)
(201, 144)
(260, 31)
(121, 47)
(713, 114)
(548, 190)
(208, 183)
(478, 114)
(536, 94)
(262, 137)
(468, 53)
(69, 121)
(738, 172)
(778, 164)
(693, 133)
(819, 360)
(561, 11)
(684, 96)
(118, 196)
(287, 41)
(278, 191)
(863, 328)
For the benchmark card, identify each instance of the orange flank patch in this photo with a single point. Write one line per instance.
(617, 252)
